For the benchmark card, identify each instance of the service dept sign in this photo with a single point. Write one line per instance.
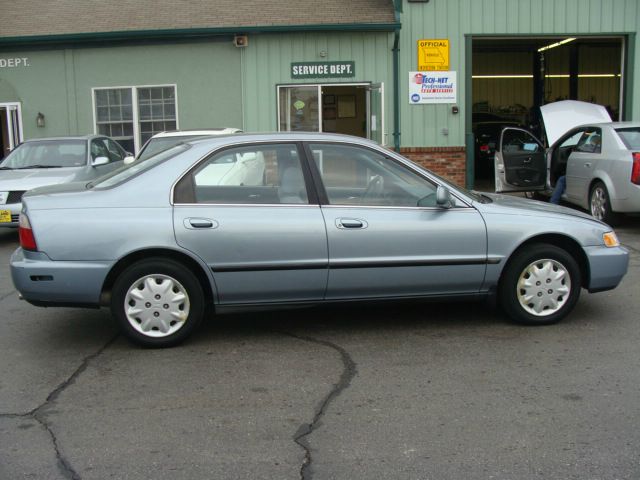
(14, 62)
(432, 87)
(323, 69)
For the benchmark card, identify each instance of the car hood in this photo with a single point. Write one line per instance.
(560, 117)
(520, 206)
(28, 179)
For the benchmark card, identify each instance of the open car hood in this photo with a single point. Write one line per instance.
(560, 117)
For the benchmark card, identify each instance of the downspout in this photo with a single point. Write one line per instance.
(396, 74)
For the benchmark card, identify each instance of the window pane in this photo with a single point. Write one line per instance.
(156, 104)
(114, 113)
(264, 174)
(359, 176)
(299, 109)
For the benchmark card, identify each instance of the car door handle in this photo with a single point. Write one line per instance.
(587, 165)
(527, 160)
(351, 223)
(199, 223)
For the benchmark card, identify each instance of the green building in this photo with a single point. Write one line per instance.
(416, 75)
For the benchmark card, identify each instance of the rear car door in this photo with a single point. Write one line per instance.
(251, 214)
(520, 162)
(386, 235)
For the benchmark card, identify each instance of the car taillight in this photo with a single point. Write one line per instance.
(635, 170)
(27, 240)
(484, 148)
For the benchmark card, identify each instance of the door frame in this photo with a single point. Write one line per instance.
(15, 138)
(368, 86)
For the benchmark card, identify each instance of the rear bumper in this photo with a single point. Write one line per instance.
(607, 267)
(44, 282)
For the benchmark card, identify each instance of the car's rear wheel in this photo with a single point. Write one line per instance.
(540, 286)
(157, 303)
(599, 203)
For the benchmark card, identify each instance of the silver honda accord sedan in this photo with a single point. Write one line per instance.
(291, 219)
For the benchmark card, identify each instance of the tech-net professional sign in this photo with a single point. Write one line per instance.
(432, 87)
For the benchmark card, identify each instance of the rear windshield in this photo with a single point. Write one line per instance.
(159, 144)
(126, 172)
(630, 136)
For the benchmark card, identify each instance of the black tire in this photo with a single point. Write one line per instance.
(554, 288)
(155, 295)
(600, 204)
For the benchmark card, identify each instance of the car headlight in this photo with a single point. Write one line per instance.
(3, 197)
(610, 239)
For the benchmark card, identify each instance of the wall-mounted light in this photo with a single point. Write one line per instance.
(40, 120)
(323, 53)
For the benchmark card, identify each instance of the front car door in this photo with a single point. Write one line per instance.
(386, 236)
(520, 162)
(250, 213)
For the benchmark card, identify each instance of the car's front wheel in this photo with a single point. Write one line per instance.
(157, 302)
(540, 286)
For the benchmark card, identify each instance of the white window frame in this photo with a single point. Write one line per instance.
(9, 107)
(137, 144)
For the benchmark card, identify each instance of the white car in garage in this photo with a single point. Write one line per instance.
(600, 158)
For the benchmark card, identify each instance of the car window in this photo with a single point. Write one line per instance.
(358, 176)
(590, 141)
(258, 174)
(116, 152)
(572, 140)
(630, 137)
(99, 149)
(519, 141)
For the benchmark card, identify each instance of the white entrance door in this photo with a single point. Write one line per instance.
(10, 126)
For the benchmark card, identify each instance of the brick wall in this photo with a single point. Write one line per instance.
(449, 162)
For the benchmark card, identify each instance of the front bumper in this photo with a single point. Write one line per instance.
(15, 209)
(44, 282)
(607, 266)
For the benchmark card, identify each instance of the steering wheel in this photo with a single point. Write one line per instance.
(374, 189)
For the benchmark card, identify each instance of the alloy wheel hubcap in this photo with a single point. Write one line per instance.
(544, 287)
(598, 203)
(156, 305)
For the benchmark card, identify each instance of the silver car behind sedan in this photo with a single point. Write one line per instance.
(316, 219)
(50, 161)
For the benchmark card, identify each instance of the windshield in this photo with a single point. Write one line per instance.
(155, 145)
(47, 154)
(630, 136)
(126, 172)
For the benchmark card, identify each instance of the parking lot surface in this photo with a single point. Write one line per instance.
(421, 391)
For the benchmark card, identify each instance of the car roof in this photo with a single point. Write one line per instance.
(207, 131)
(289, 137)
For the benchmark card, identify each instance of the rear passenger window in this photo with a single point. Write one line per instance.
(260, 174)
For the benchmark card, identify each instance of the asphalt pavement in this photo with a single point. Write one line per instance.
(421, 391)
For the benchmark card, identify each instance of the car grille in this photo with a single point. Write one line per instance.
(15, 197)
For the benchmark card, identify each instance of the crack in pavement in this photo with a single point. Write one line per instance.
(348, 373)
(38, 415)
(7, 295)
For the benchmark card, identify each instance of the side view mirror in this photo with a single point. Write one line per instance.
(129, 159)
(443, 197)
(99, 161)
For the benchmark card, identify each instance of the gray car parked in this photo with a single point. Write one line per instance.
(49, 161)
(291, 219)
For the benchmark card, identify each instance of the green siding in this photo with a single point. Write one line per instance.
(422, 125)
(59, 83)
(266, 63)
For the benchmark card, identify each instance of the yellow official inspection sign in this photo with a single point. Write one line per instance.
(433, 54)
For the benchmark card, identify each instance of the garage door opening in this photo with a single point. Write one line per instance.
(512, 77)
